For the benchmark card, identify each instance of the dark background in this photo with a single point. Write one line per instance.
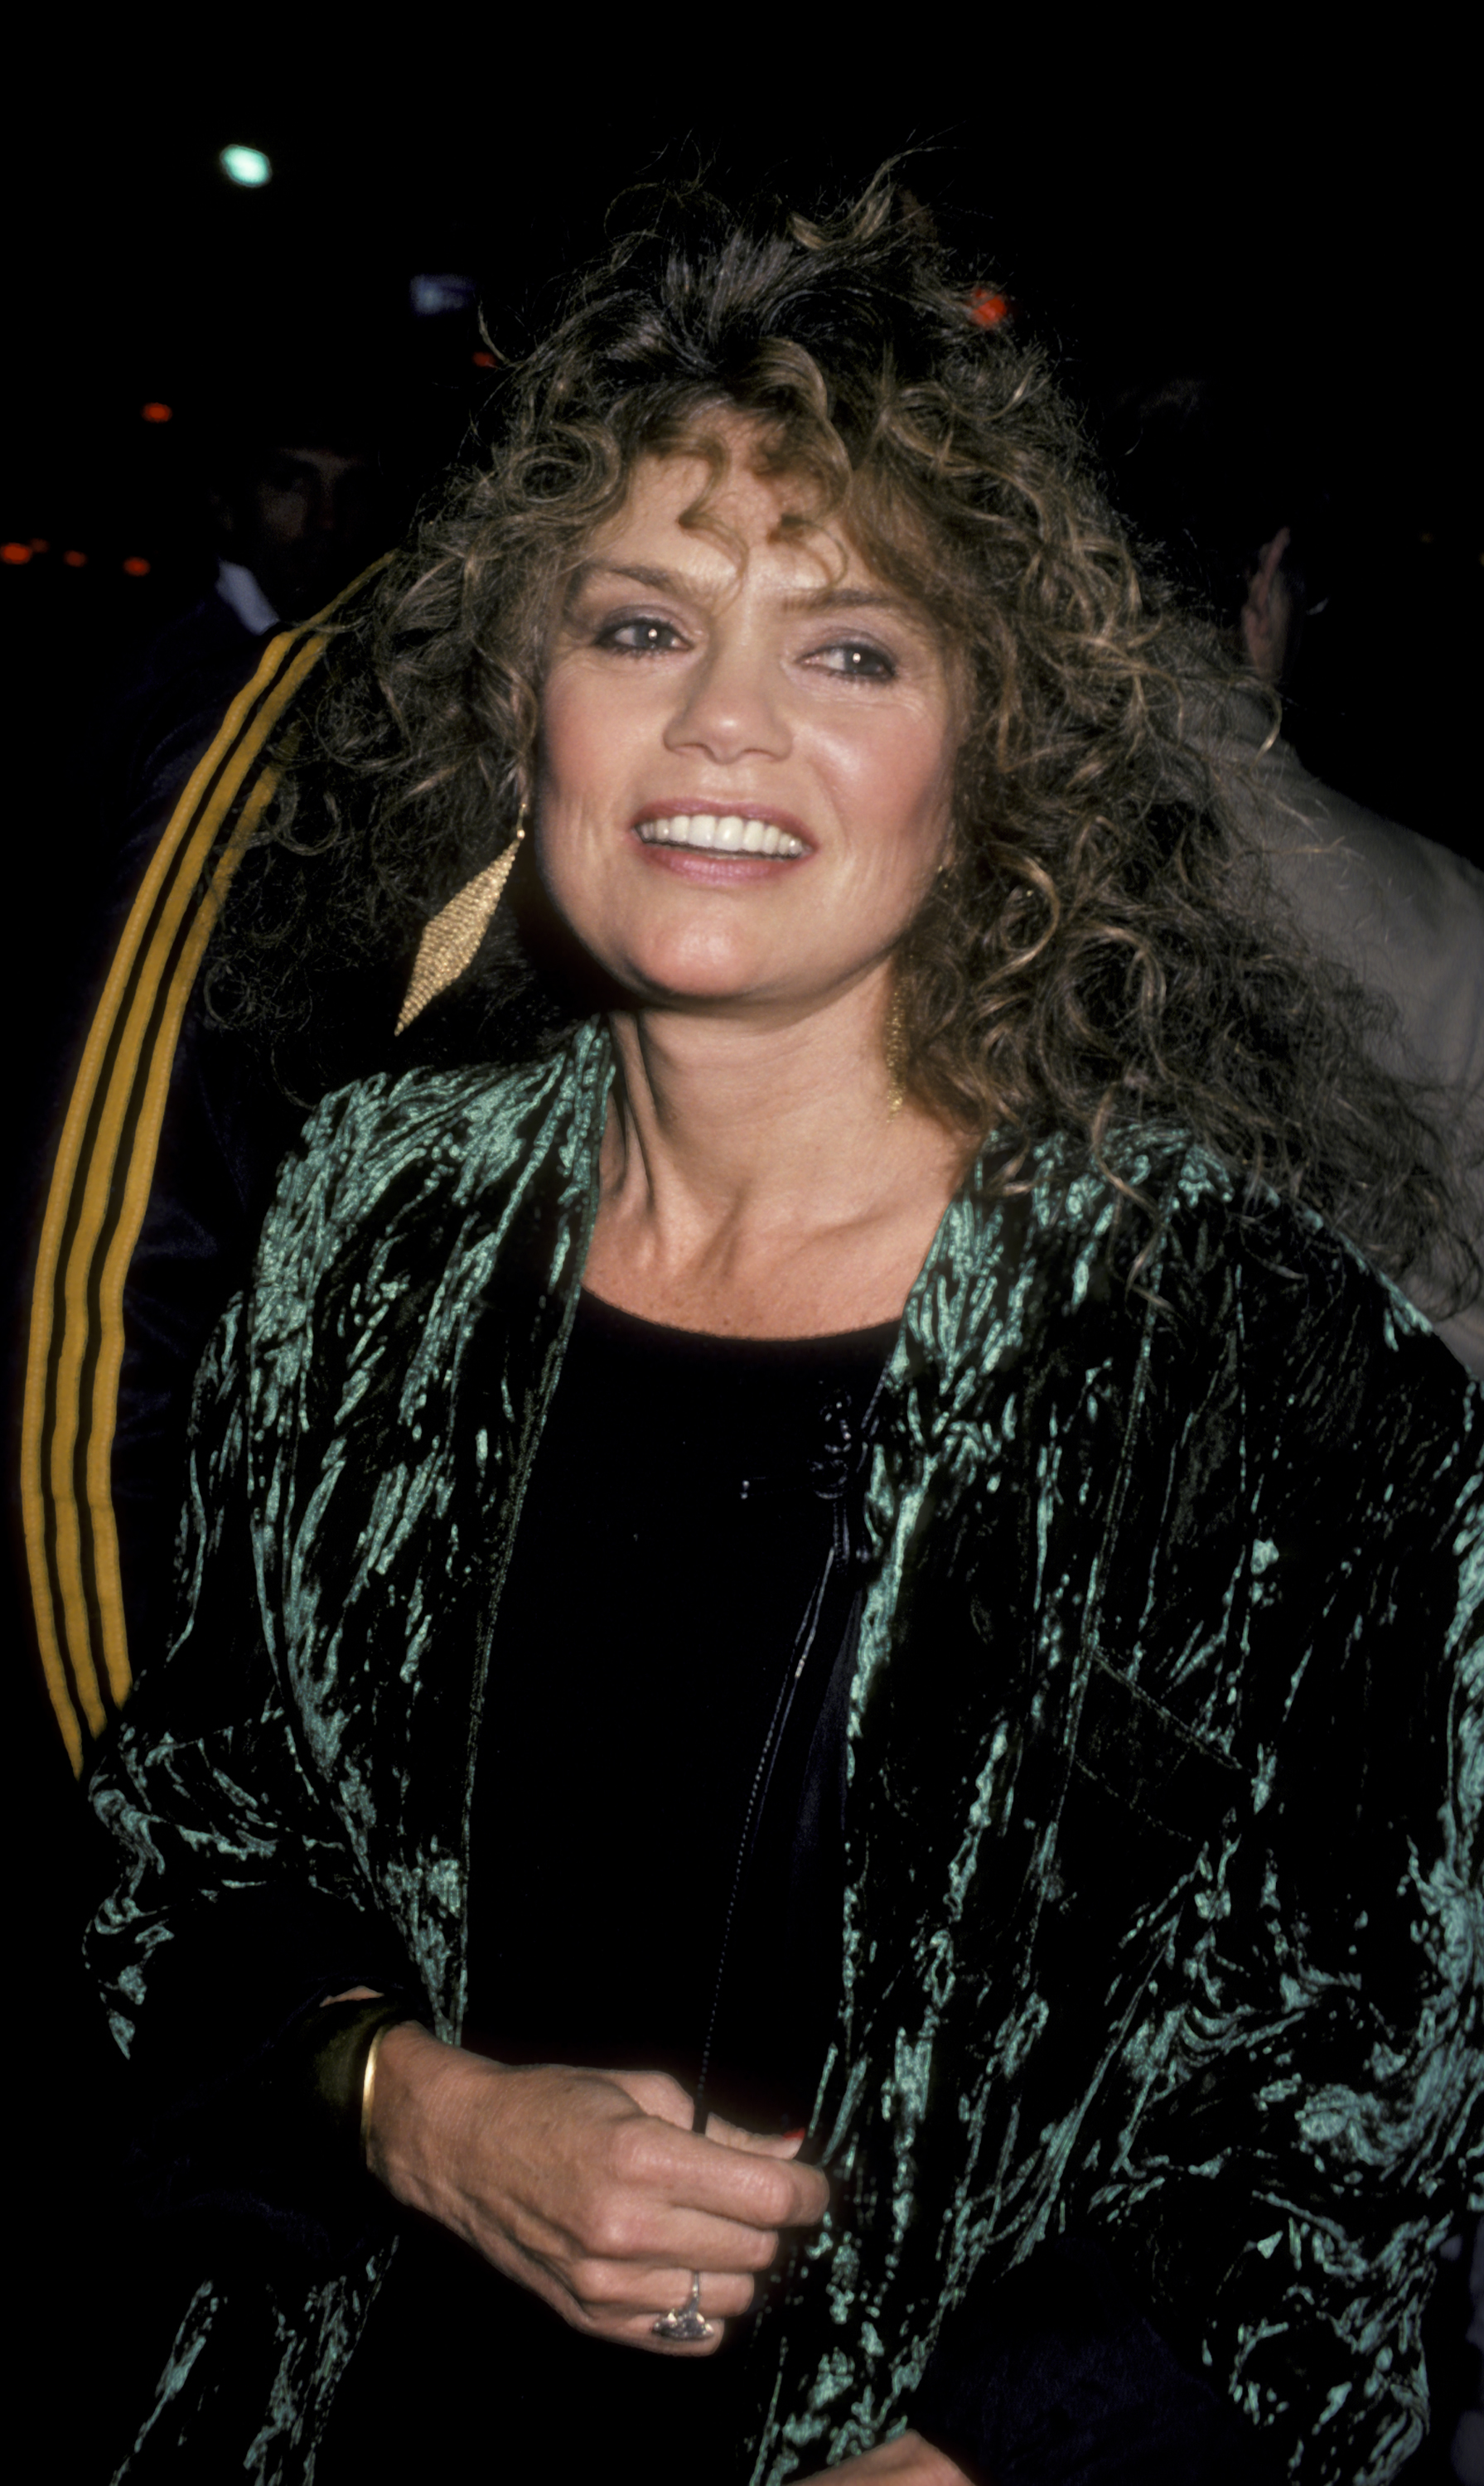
(1299, 227)
(1296, 229)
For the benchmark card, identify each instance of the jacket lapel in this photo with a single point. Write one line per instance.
(431, 1374)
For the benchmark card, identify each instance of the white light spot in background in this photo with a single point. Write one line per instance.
(247, 166)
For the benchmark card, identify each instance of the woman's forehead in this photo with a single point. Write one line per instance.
(715, 516)
(668, 483)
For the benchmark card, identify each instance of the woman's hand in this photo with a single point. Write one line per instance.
(908, 2461)
(589, 2188)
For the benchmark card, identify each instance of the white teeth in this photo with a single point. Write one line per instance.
(722, 833)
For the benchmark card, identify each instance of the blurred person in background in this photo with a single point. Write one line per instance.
(296, 524)
(291, 480)
(292, 488)
(1211, 477)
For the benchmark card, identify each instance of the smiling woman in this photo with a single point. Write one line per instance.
(824, 1707)
(744, 795)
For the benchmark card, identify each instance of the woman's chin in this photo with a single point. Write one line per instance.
(679, 979)
(721, 1001)
(757, 986)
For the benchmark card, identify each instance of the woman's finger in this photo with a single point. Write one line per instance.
(656, 2093)
(762, 2145)
(651, 2190)
(623, 2305)
(619, 2289)
(693, 2172)
(692, 2239)
(908, 2461)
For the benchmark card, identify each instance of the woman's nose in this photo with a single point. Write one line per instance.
(734, 704)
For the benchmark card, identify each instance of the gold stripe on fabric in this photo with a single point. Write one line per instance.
(138, 1179)
(132, 1066)
(130, 995)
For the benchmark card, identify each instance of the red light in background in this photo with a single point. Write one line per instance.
(40, 543)
(76, 560)
(156, 411)
(987, 307)
(485, 362)
(136, 565)
(14, 554)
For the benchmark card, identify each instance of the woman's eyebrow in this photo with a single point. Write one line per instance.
(851, 600)
(664, 581)
(809, 600)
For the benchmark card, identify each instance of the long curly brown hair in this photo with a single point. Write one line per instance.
(1098, 953)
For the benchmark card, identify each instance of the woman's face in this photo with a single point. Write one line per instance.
(747, 747)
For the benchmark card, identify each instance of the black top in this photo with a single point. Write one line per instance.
(682, 1588)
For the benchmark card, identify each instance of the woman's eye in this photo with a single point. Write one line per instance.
(641, 635)
(857, 660)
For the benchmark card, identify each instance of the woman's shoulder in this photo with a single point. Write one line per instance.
(1163, 1234)
(448, 1122)
(1166, 1197)
(1273, 1262)
(409, 1154)
(428, 1109)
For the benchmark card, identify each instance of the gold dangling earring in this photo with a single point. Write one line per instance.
(451, 939)
(895, 1038)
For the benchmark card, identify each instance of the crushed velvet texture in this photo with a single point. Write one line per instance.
(1163, 1922)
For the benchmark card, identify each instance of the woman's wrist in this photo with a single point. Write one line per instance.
(412, 2107)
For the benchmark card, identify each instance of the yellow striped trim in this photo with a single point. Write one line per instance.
(123, 1078)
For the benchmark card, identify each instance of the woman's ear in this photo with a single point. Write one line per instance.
(1268, 613)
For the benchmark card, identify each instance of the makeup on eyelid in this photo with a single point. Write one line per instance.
(866, 660)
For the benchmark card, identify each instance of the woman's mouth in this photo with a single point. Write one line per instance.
(720, 833)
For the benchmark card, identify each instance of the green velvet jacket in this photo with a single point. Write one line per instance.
(1165, 1761)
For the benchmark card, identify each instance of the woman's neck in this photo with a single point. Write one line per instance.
(755, 1181)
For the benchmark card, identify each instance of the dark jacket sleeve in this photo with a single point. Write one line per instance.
(226, 1128)
(241, 1904)
(225, 1132)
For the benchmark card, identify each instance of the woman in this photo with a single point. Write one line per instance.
(823, 1543)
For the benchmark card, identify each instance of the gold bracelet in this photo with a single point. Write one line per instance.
(368, 2085)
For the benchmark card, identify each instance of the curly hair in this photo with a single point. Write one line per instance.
(1098, 953)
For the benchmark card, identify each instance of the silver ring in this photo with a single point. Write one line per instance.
(687, 2322)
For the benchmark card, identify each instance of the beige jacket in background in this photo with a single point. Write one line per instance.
(1406, 916)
